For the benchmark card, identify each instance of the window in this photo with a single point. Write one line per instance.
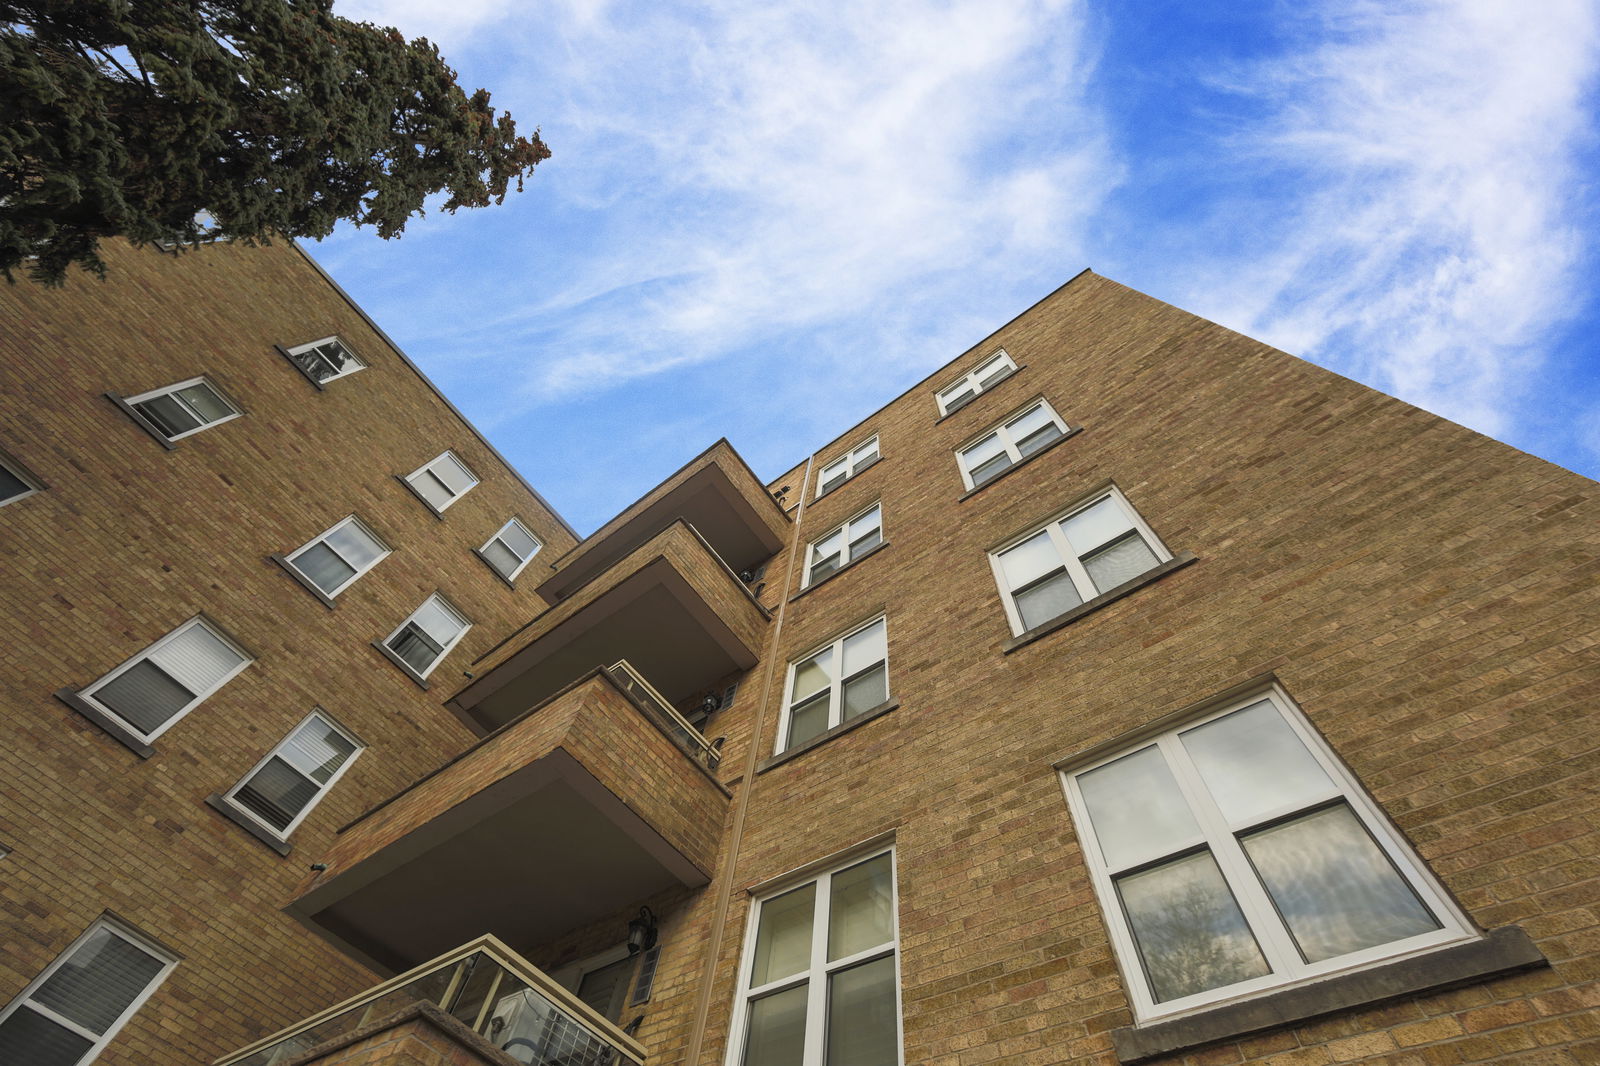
(71, 1012)
(427, 636)
(15, 482)
(1008, 444)
(167, 680)
(334, 560)
(601, 980)
(184, 409)
(1090, 550)
(1235, 855)
(324, 360)
(990, 373)
(848, 466)
(848, 677)
(283, 787)
(442, 482)
(511, 549)
(818, 984)
(845, 544)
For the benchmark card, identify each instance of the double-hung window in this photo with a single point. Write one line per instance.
(324, 360)
(334, 560)
(184, 409)
(1235, 855)
(845, 545)
(167, 680)
(427, 636)
(70, 1013)
(847, 466)
(15, 482)
(511, 549)
(1088, 551)
(442, 482)
(990, 373)
(818, 984)
(846, 678)
(1002, 447)
(281, 789)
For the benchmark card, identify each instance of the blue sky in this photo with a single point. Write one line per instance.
(764, 220)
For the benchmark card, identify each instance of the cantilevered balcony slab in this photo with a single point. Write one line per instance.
(715, 492)
(671, 607)
(582, 807)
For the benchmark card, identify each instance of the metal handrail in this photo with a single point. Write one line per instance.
(634, 683)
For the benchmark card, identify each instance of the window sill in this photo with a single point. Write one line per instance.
(822, 738)
(508, 582)
(862, 469)
(981, 395)
(413, 490)
(869, 553)
(217, 803)
(120, 733)
(320, 387)
(1177, 562)
(304, 582)
(1502, 952)
(405, 667)
(1002, 475)
(139, 420)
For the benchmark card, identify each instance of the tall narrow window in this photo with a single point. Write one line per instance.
(71, 1011)
(819, 984)
(323, 361)
(847, 678)
(511, 549)
(844, 545)
(426, 637)
(166, 681)
(1007, 444)
(184, 409)
(847, 466)
(442, 482)
(334, 559)
(1088, 551)
(1235, 855)
(281, 789)
(989, 373)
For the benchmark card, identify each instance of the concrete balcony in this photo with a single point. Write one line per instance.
(583, 806)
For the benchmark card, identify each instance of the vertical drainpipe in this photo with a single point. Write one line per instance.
(719, 914)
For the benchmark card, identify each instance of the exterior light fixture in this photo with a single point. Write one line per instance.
(642, 931)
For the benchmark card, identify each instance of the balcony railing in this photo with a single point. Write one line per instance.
(666, 717)
(487, 987)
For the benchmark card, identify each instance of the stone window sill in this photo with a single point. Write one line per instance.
(1002, 475)
(304, 582)
(217, 803)
(869, 553)
(1502, 952)
(405, 667)
(822, 738)
(110, 726)
(1177, 562)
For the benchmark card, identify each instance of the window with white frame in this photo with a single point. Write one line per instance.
(425, 638)
(167, 680)
(14, 482)
(989, 373)
(1088, 551)
(1236, 854)
(846, 678)
(323, 361)
(69, 1014)
(844, 545)
(847, 466)
(819, 982)
(333, 560)
(184, 409)
(442, 482)
(511, 549)
(281, 789)
(1007, 444)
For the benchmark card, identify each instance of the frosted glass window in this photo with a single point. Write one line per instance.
(823, 695)
(511, 549)
(180, 410)
(1009, 443)
(442, 482)
(336, 558)
(847, 466)
(168, 680)
(987, 375)
(424, 639)
(284, 786)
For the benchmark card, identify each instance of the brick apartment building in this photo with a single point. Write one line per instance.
(1126, 691)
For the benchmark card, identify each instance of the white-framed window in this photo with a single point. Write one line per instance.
(844, 678)
(280, 790)
(167, 680)
(333, 560)
(1235, 855)
(15, 481)
(847, 466)
(511, 549)
(442, 481)
(184, 409)
(70, 1012)
(324, 360)
(819, 979)
(844, 545)
(989, 373)
(425, 638)
(1087, 551)
(1001, 447)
